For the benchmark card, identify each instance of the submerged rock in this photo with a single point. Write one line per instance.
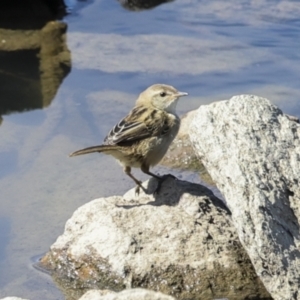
(180, 242)
(252, 152)
(137, 5)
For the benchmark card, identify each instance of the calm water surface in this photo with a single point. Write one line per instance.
(210, 49)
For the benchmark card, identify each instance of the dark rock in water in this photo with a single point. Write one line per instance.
(30, 14)
(142, 4)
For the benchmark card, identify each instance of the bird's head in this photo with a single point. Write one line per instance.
(160, 96)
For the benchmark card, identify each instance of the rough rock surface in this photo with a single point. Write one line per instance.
(252, 152)
(180, 242)
(132, 294)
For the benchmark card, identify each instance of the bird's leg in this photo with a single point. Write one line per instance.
(160, 179)
(145, 169)
(127, 171)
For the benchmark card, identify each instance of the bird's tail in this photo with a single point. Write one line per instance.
(100, 148)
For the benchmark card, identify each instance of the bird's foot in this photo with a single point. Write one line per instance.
(138, 187)
(160, 182)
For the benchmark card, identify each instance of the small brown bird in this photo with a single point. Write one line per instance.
(142, 138)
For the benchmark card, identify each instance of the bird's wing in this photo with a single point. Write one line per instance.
(141, 123)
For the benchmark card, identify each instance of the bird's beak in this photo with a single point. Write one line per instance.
(180, 94)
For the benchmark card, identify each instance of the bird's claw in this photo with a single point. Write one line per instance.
(137, 188)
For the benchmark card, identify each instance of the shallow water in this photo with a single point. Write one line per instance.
(210, 49)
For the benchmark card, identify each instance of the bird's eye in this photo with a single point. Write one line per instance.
(163, 94)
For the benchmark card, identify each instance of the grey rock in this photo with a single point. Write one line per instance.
(180, 242)
(252, 152)
(131, 294)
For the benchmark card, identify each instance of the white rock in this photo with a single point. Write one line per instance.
(252, 152)
(131, 294)
(180, 242)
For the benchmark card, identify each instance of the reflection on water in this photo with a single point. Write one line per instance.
(4, 237)
(19, 76)
(29, 14)
(207, 48)
(34, 60)
(33, 64)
